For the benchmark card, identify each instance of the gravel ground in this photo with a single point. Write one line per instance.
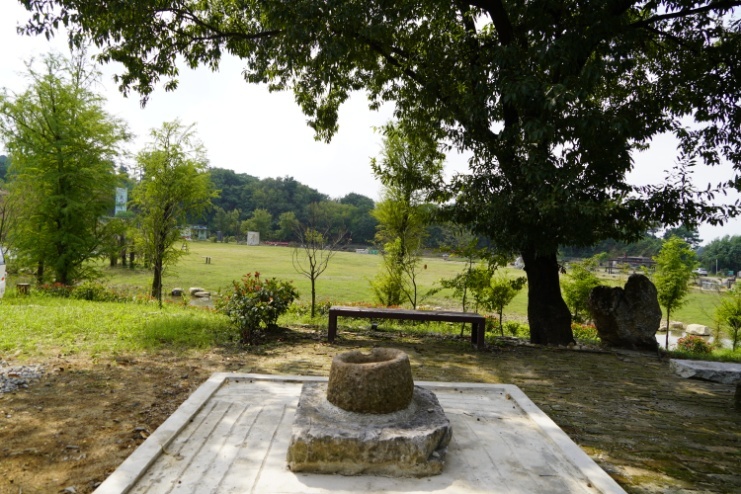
(13, 377)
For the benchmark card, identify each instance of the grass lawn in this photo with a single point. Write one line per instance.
(347, 280)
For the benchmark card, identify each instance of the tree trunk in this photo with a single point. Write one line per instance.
(548, 314)
(157, 281)
(313, 296)
(40, 273)
(668, 318)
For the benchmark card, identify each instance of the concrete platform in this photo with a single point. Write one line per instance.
(719, 372)
(232, 434)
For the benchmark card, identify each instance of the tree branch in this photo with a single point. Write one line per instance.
(720, 5)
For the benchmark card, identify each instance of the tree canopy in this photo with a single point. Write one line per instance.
(550, 98)
(63, 148)
(174, 183)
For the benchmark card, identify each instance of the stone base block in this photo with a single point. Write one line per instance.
(409, 443)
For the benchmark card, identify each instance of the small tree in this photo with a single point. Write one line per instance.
(461, 242)
(410, 169)
(674, 266)
(174, 183)
(500, 292)
(311, 258)
(576, 287)
(728, 314)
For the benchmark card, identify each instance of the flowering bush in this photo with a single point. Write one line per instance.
(584, 332)
(693, 344)
(255, 304)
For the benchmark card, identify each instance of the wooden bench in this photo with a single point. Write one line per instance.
(478, 322)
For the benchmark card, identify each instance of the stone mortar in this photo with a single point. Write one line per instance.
(376, 382)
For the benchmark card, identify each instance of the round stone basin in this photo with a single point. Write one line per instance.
(369, 418)
(376, 382)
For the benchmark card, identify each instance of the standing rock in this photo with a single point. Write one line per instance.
(627, 317)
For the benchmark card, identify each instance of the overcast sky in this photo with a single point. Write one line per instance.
(250, 130)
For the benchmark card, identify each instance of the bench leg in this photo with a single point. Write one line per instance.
(478, 331)
(332, 329)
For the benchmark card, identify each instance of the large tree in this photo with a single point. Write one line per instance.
(551, 98)
(63, 147)
(174, 184)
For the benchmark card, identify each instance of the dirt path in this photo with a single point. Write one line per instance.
(652, 431)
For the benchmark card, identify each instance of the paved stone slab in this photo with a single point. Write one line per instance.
(719, 372)
(232, 434)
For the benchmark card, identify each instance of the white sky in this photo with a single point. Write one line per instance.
(247, 129)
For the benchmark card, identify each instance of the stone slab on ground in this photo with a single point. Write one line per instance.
(232, 435)
(719, 372)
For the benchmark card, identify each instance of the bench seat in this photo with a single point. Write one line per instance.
(478, 322)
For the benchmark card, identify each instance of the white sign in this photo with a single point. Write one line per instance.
(121, 199)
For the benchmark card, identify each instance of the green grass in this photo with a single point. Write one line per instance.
(347, 280)
(39, 325)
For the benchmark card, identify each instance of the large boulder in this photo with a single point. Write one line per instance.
(627, 317)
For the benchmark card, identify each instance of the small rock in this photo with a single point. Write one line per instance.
(698, 329)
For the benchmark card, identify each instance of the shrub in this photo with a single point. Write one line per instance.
(255, 305)
(94, 292)
(515, 329)
(512, 328)
(693, 344)
(584, 332)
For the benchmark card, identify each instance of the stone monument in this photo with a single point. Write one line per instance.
(369, 418)
(627, 317)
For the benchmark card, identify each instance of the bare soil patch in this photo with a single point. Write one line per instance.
(652, 431)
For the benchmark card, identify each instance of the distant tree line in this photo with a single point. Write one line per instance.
(276, 206)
